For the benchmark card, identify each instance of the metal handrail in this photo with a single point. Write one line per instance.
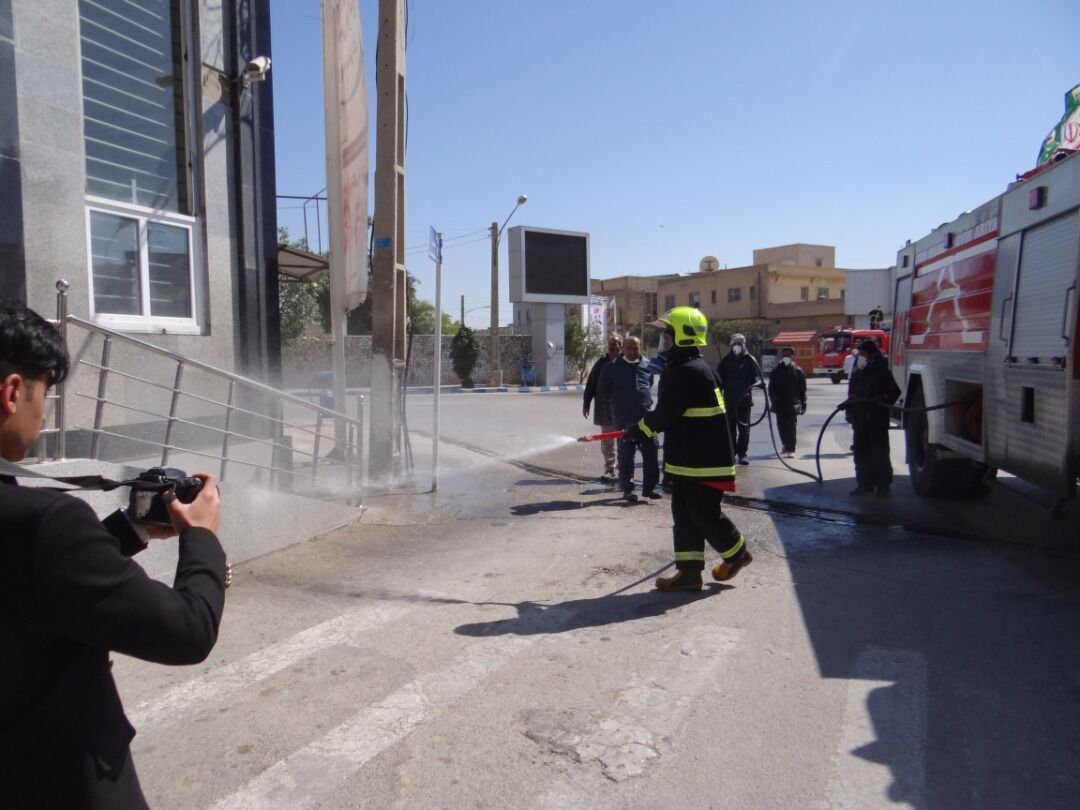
(279, 442)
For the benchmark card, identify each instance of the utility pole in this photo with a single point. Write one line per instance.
(388, 260)
(462, 310)
(493, 354)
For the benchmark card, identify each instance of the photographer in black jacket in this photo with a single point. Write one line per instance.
(70, 594)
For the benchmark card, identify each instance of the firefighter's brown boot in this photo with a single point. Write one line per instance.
(729, 568)
(679, 581)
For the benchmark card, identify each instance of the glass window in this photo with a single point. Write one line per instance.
(714, 296)
(822, 293)
(133, 102)
(753, 293)
(139, 267)
(169, 256)
(138, 179)
(804, 293)
(669, 302)
(114, 259)
(734, 294)
(695, 299)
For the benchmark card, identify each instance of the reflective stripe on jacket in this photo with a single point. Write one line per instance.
(690, 413)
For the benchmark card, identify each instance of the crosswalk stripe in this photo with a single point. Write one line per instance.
(651, 706)
(235, 677)
(307, 776)
(882, 749)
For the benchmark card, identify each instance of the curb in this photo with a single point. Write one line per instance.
(518, 389)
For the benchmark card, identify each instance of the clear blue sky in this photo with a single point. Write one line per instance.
(674, 130)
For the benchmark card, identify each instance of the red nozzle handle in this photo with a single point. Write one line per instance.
(596, 437)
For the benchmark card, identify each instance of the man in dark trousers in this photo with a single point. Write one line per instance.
(739, 372)
(787, 398)
(602, 415)
(627, 382)
(697, 447)
(871, 390)
(70, 594)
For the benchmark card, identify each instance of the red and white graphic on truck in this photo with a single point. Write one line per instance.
(951, 299)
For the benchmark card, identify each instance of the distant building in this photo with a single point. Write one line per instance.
(867, 290)
(794, 287)
(635, 300)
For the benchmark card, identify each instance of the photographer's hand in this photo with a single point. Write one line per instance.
(203, 513)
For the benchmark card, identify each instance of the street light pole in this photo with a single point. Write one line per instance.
(496, 233)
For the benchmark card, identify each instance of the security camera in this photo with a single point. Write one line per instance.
(255, 70)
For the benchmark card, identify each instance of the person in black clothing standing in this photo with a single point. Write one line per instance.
(70, 594)
(787, 398)
(602, 413)
(871, 390)
(738, 373)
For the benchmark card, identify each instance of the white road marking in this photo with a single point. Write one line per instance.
(309, 775)
(649, 708)
(881, 757)
(231, 678)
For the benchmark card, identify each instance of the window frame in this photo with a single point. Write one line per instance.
(190, 75)
(690, 299)
(144, 217)
(734, 295)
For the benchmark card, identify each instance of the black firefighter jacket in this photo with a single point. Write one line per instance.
(69, 594)
(690, 413)
(873, 388)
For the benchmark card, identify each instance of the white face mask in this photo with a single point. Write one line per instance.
(737, 348)
(666, 344)
(787, 361)
(860, 362)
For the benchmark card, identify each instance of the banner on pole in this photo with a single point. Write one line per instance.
(1066, 135)
(346, 99)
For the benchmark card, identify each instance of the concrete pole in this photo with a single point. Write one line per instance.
(388, 260)
(436, 392)
(493, 353)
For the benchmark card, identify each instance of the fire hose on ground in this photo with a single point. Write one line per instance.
(767, 413)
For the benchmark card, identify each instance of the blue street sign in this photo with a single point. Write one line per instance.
(434, 250)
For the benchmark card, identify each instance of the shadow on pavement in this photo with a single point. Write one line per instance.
(961, 662)
(535, 618)
(525, 509)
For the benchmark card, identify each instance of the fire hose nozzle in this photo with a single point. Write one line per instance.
(596, 437)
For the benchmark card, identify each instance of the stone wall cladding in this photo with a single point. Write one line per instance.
(303, 360)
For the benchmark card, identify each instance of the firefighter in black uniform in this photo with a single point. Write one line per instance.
(698, 454)
(871, 390)
(787, 397)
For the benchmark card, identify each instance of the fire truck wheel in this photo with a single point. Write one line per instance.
(933, 476)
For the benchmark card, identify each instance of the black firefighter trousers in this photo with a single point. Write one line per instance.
(695, 509)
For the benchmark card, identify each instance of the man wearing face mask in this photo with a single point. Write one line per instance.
(690, 413)
(739, 372)
(787, 398)
(871, 389)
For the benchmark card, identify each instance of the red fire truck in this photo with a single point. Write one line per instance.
(985, 322)
(833, 345)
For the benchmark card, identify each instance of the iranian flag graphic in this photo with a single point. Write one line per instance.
(1066, 135)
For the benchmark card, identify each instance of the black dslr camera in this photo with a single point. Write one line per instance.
(146, 505)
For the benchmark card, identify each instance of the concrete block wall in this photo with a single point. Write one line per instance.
(303, 359)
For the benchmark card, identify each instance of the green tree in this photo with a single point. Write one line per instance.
(464, 352)
(581, 346)
(298, 301)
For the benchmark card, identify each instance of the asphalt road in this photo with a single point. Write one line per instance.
(499, 644)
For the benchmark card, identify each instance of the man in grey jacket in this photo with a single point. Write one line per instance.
(627, 383)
